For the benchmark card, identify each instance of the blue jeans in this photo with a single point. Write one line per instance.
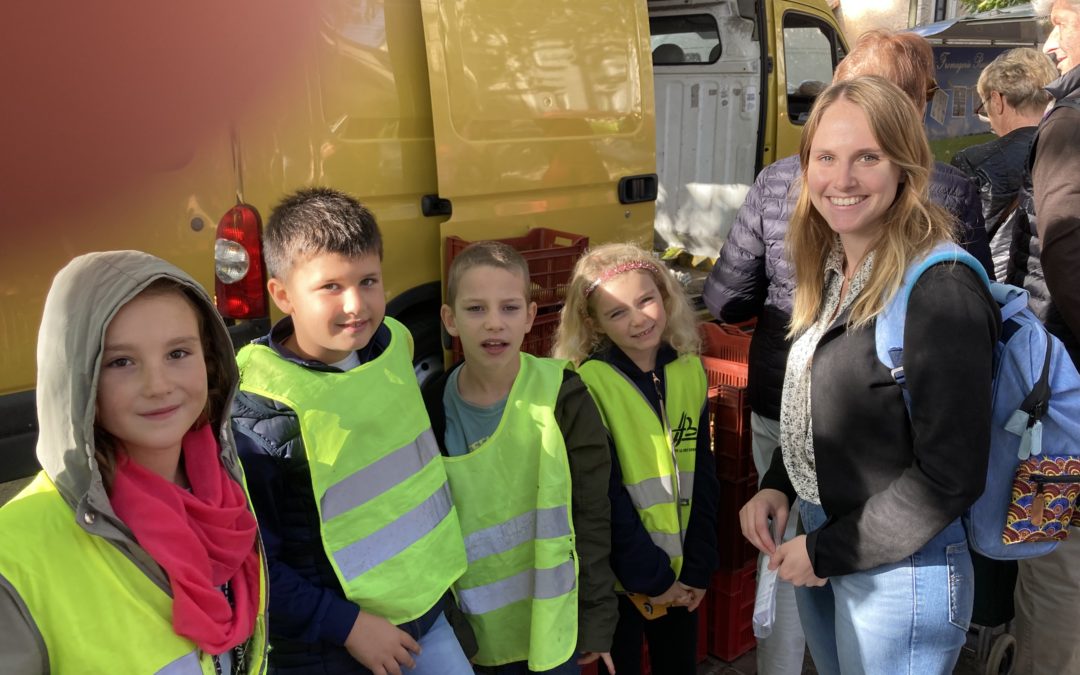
(440, 652)
(910, 616)
(522, 668)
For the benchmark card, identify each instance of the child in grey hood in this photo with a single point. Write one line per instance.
(134, 550)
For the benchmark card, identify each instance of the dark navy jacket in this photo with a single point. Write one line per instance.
(310, 618)
(754, 277)
(640, 565)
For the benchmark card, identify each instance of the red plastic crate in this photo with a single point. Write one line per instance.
(724, 355)
(734, 549)
(551, 255)
(729, 414)
(539, 340)
(727, 341)
(732, 629)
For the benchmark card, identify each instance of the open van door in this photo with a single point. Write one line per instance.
(542, 109)
(808, 46)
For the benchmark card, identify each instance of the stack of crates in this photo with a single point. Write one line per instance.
(725, 352)
(551, 256)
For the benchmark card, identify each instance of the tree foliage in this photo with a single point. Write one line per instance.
(987, 5)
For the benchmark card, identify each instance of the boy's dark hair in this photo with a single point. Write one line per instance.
(318, 220)
(491, 254)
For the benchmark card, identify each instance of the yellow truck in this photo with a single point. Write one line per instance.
(470, 118)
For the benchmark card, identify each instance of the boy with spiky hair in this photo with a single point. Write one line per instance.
(361, 536)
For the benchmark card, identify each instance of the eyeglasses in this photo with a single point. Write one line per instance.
(931, 90)
(980, 110)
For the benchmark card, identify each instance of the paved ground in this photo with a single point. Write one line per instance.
(747, 663)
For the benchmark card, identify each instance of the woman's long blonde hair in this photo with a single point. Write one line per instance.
(911, 225)
(577, 336)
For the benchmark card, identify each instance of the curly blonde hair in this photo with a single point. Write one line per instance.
(577, 337)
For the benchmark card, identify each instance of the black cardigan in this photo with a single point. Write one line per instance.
(889, 484)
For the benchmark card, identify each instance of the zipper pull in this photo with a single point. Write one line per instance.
(1038, 504)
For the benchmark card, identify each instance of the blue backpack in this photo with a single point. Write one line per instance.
(1033, 476)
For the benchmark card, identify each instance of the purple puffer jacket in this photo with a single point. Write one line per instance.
(754, 277)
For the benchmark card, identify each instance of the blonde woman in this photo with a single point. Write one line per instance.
(883, 570)
(629, 329)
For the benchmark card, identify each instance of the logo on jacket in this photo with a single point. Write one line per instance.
(686, 431)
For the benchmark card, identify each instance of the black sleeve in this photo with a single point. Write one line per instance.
(952, 327)
(776, 477)
(700, 555)
(590, 470)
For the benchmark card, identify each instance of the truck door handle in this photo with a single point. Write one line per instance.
(434, 205)
(636, 189)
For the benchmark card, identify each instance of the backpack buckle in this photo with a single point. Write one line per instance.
(898, 375)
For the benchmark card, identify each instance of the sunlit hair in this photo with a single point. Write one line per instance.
(911, 225)
(487, 254)
(1019, 75)
(905, 59)
(315, 221)
(217, 378)
(577, 337)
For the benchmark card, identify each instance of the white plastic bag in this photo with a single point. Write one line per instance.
(765, 602)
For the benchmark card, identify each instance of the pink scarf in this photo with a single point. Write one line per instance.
(202, 539)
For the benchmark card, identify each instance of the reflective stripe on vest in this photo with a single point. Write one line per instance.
(539, 584)
(660, 486)
(513, 497)
(386, 518)
(188, 664)
(95, 610)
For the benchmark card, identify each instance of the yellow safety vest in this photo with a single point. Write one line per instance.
(656, 454)
(388, 525)
(513, 498)
(95, 609)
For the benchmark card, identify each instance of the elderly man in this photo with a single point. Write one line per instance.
(1048, 588)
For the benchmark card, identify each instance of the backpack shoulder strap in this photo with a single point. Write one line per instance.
(889, 326)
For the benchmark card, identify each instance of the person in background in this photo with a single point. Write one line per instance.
(884, 576)
(754, 278)
(1047, 594)
(135, 549)
(1013, 102)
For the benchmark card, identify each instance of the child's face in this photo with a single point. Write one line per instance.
(336, 304)
(152, 386)
(629, 309)
(490, 315)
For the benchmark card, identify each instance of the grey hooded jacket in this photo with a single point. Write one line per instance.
(754, 277)
(83, 299)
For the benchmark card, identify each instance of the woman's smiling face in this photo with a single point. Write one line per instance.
(850, 180)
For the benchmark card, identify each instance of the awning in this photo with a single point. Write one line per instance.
(1013, 26)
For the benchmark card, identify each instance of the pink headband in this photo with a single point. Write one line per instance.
(615, 271)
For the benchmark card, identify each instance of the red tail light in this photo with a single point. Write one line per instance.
(239, 272)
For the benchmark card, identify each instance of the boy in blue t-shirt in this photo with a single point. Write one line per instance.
(529, 466)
